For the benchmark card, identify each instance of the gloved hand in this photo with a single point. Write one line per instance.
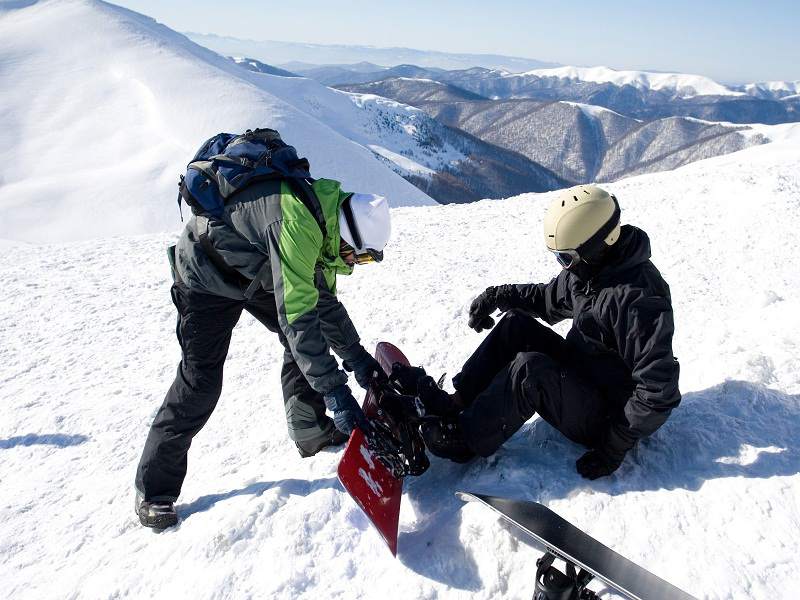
(366, 369)
(347, 414)
(480, 309)
(596, 463)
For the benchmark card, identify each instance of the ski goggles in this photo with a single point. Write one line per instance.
(567, 258)
(369, 256)
(361, 258)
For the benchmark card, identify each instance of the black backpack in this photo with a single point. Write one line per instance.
(227, 163)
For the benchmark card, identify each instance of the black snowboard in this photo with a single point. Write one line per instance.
(569, 543)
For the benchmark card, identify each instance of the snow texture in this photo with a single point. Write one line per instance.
(104, 125)
(709, 502)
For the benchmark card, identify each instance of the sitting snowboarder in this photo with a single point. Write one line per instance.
(612, 381)
(274, 251)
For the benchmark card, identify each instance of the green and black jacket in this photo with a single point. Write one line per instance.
(271, 238)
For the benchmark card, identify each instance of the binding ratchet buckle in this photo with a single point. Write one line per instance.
(552, 584)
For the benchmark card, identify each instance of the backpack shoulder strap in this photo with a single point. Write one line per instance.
(306, 194)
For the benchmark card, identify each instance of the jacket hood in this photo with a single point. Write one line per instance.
(631, 250)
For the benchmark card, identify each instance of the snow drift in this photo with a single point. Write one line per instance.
(101, 109)
(708, 503)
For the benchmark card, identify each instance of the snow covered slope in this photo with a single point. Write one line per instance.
(103, 124)
(682, 84)
(710, 502)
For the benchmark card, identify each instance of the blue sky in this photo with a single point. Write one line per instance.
(735, 40)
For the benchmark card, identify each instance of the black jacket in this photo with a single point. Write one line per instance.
(621, 336)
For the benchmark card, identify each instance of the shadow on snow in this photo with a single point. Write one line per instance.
(289, 487)
(48, 439)
(735, 429)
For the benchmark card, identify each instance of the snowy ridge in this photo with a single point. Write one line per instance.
(684, 85)
(145, 123)
(708, 503)
(780, 89)
(592, 110)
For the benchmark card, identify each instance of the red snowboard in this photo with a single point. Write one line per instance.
(365, 478)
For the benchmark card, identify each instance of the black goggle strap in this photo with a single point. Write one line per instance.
(591, 245)
(347, 210)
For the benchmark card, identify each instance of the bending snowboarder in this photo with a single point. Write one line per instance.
(612, 381)
(273, 249)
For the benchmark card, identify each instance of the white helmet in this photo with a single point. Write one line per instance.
(364, 223)
(580, 223)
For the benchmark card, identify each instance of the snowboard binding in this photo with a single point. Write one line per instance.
(394, 436)
(552, 584)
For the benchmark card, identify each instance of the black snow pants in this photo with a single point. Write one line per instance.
(205, 324)
(521, 368)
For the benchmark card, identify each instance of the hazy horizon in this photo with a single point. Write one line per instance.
(733, 42)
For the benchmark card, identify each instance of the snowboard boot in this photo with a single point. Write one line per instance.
(309, 448)
(444, 438)
(435, 400)
(157, 514)
(407, 378)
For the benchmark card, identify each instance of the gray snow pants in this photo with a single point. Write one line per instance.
(521, 368)
(205, 324)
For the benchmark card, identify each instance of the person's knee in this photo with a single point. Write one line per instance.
(514, 317)
(533, 374)
(532, 364)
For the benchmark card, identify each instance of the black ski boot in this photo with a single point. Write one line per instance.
(157, 514)
(444, 438)
(309, 448)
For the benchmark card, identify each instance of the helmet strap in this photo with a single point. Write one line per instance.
(347, 210)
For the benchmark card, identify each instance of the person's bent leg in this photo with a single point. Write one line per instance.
(533, 383)
(204, 330)
(308, 425)
(516, 332)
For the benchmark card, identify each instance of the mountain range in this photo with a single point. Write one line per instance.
(279, 53)
(636, 94)
(577, 141)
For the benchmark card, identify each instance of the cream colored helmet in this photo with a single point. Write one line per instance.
(580, 223)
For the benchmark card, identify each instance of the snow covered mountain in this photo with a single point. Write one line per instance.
(709, 502)
(106, 123)
(580, 142)
(682, 85)
(637, 94)
(771, 89)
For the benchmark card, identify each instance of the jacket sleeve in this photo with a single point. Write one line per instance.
(643, 329)
(551, 302)
(337, 327)
(294, 248)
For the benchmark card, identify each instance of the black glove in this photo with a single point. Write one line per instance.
(347, 414)
(595, 463)
(609, 453)
(366, 369)
(480, 309)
